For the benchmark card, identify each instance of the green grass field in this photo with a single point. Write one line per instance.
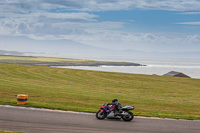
(81, 90)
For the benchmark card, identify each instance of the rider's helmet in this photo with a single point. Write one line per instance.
(114, 100)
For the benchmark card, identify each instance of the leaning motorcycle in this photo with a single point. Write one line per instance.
(108, 112)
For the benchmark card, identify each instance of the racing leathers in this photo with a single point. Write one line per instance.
(118, 107)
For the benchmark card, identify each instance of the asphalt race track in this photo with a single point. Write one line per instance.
(46, 121)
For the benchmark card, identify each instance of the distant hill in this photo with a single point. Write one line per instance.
(3, 52)
(19, 45)
(52, 47)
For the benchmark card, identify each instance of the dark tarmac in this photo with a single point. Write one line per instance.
(33, 120)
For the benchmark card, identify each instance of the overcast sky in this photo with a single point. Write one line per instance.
(147, 25)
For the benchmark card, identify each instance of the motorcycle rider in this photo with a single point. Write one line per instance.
(118, 106)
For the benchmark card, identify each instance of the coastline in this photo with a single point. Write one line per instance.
(49, 61)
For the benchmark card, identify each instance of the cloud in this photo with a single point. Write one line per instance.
(75, 20)
(51, 26)
(48, 18)
(97, 5)
(189, 13)
(190, 23)
(119, 40)
(171, 5)
(105, 5)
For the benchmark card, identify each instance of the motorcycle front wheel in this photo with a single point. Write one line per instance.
(101, 115)
(128, 117)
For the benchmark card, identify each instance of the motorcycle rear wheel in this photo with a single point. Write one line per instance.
(128, 117)
(101, 115)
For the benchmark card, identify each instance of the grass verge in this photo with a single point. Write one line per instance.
(81, 90)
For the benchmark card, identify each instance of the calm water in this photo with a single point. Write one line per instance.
(190, 67)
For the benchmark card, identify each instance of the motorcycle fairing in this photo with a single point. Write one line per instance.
(107, 109)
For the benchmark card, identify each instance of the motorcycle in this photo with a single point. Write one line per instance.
(108, 112)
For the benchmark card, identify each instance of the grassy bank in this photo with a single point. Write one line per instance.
(81, 90)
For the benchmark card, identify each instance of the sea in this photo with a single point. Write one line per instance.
(153, 66)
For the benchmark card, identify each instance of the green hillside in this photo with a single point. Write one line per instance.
(81, 90)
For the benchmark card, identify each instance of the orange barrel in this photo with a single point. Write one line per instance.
(22, 99)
